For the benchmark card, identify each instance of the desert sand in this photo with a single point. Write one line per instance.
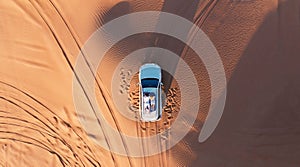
(258, 42)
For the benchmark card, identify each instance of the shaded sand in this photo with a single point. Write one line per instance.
(258, 42)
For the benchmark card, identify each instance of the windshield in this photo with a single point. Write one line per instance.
(149, 82)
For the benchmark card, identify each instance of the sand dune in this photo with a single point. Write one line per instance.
(258, 42)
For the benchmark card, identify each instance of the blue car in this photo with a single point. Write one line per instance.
(150, 92)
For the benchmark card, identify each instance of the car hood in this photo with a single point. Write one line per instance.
(150, 71)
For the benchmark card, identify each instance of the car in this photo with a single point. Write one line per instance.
(150, 92)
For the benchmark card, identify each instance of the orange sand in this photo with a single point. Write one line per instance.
(258, 42)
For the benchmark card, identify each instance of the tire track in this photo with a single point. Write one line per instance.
(69, 63)
(166, 154)
(199, 21)
(104, 92)
(205, 12)
(36, 118)
(46, 122)
(33, 141)
(44, 106)
(23, 121)
(30, 143)
(148, 129)
(99, 83)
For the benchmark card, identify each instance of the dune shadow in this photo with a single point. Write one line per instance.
(263, 99)
(186, 10)
(120, 9)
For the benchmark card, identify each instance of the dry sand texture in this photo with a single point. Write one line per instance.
(258, 41)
